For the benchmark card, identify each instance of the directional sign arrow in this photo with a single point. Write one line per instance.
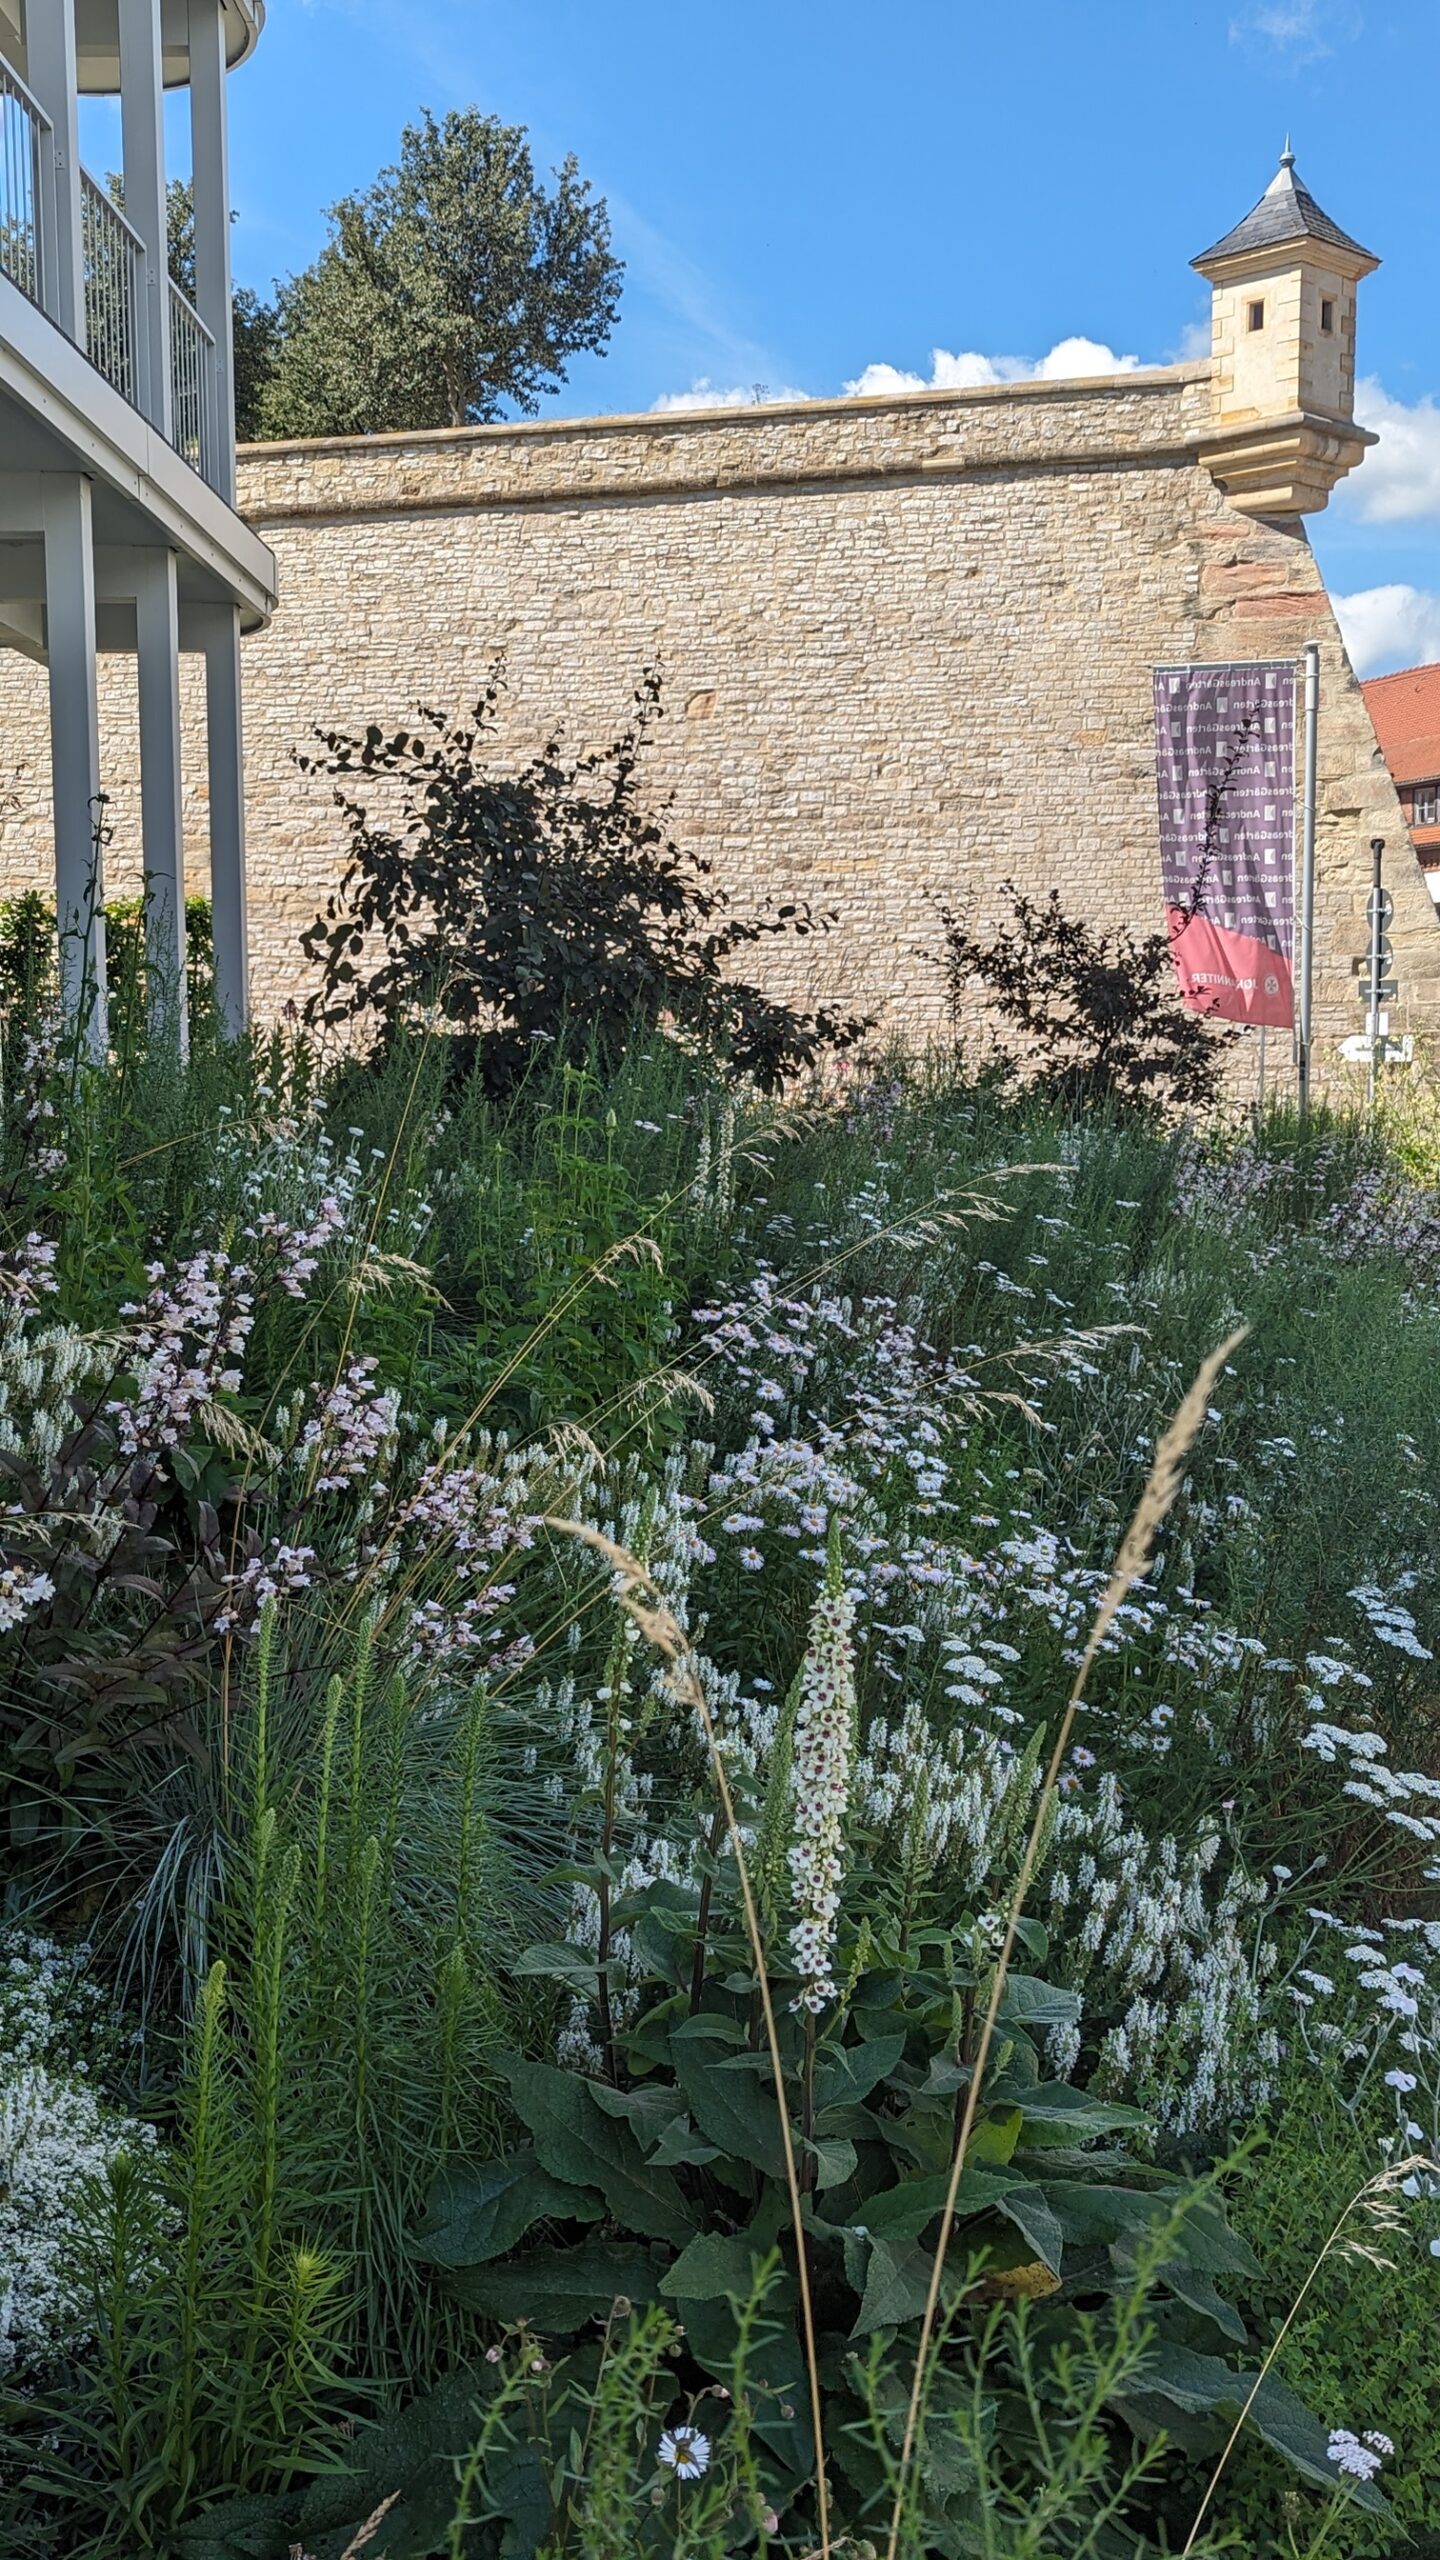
(1359, 1048)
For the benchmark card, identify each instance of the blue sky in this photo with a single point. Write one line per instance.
(805, 189)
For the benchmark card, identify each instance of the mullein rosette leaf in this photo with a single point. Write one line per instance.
(665, 2178)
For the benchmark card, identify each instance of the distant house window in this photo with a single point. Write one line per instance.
(1425, 805)
(1327, 318)
(1255, 313)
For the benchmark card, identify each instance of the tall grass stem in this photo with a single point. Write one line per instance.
(1131, 1561)
(660, 1629)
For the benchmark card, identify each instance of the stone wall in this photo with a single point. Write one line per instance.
(906, 646)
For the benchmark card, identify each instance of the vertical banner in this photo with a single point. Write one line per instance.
(1225, 779)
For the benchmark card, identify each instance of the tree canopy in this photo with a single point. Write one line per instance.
(457, 282)
(256, 322)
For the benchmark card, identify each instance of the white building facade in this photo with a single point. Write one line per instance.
(118, 529)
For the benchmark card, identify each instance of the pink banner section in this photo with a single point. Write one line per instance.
(1230, 973)
(1225, 784)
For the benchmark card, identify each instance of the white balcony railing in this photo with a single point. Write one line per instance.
(21, 127)
(192, 388)
(114, 265)
(113, 270)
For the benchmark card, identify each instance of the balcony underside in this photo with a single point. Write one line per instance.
(118, 568)
(58, 414)
(97, 39)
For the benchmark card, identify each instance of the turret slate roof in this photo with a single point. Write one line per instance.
(1286, 211)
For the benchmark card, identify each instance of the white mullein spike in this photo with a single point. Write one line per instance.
(821, 1769)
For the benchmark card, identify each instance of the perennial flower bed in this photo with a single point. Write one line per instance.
(388, 2113)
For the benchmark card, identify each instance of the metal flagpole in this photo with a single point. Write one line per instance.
(1377, 946)
(1307, 880)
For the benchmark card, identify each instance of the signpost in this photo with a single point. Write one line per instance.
(1377, 983)
(1357, 1047)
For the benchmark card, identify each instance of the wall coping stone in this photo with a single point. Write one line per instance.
(1095, 422)
(1157, 377)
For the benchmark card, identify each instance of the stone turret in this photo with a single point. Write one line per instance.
(1283, 352)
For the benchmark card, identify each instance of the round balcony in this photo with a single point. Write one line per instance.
(97, 40)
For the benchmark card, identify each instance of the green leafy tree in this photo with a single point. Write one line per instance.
(256, 323)
(454, 283)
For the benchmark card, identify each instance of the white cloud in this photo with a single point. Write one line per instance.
(1388, 627)
(706, 394)
(1072, 359)
(1303, 30)
(1400, 476)
(947, 373)
(1077, 357)
(877, 379)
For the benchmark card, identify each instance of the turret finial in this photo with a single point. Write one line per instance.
(1287, 156)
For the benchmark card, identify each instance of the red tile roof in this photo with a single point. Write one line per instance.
(1406, 711)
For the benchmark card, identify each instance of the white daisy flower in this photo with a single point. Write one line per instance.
(685, 2451)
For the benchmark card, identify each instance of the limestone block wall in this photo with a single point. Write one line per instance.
(1257, 371)
(906, 646)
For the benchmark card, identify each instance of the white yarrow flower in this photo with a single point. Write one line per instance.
(1358, 2461)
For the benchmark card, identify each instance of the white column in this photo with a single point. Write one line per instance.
(50, 59)
(157, 644)
(142, 126)
(210, 162)
(218, 629)
(75, 751)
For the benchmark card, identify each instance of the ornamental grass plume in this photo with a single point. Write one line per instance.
(822, 1759)
(1132, 1560)
(1374, 2200)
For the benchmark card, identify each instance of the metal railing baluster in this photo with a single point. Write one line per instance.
(192, 384)
(114, 265)
(23, 123)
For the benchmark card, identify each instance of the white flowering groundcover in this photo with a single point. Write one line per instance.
(59, 2137)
